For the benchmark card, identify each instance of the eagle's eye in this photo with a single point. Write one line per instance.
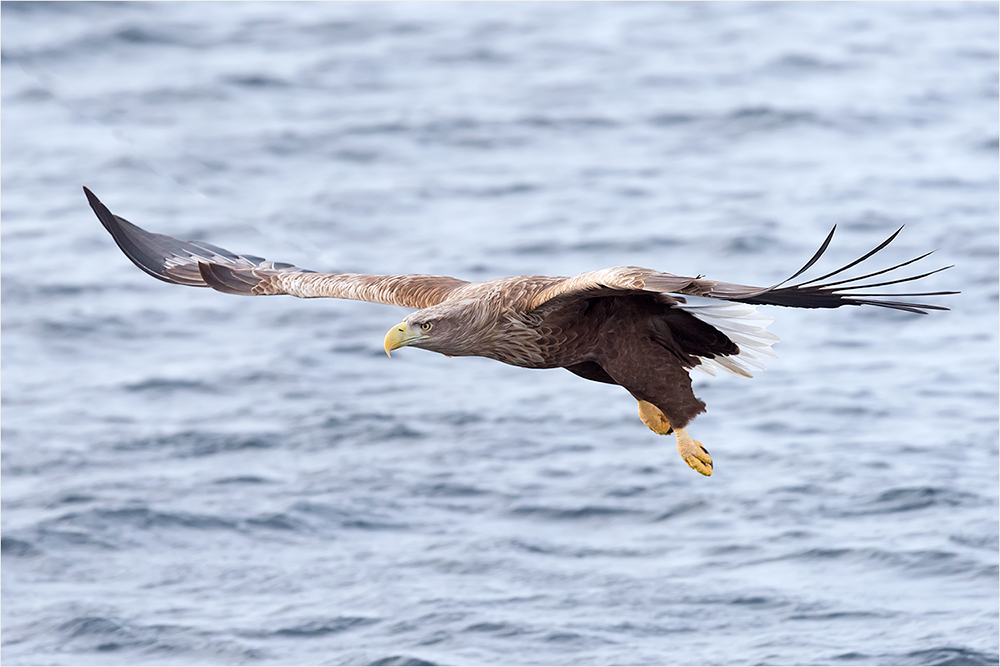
(426, 326)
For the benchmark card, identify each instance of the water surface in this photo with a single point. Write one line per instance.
(193, 478)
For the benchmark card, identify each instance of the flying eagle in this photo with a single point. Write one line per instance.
(626, 325)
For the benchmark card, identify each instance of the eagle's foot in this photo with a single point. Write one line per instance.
(693, 453)
(654, 418)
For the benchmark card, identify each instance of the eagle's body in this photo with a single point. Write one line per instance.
(625, 325)
(640, 341)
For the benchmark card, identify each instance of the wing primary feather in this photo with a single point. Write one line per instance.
(813, 294)
(904, 294)
(886, 282)
(815, 258)
(874, 273)
(898, 305)
(142, 247)
(813, 297)
(855, 262)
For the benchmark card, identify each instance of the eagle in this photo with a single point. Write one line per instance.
(642, 329)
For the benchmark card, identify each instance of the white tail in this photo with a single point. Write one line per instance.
(744, 326)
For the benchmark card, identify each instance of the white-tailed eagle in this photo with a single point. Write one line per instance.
(625, 325)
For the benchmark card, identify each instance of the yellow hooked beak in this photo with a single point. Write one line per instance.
(401, 335)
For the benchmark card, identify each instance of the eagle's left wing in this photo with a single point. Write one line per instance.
(808, 294)
(200, 264)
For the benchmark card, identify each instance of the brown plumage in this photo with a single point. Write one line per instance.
(624, 325)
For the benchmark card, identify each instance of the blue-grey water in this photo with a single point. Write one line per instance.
(191, 477)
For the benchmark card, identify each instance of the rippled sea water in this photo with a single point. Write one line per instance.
(191, 477)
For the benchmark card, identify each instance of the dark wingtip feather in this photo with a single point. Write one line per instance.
(813, 260)
(138, 245)
(880, 246)
(193, 263)
(816, 294)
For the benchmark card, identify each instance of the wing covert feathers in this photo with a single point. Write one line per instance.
(204, 265)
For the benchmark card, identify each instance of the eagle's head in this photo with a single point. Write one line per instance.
(448, 328)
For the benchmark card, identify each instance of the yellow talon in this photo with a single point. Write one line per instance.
(693, 453)
(654, 418)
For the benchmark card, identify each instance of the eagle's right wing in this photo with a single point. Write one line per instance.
(808, 294)
(205, 265)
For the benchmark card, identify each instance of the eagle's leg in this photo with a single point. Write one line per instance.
(693, 452)
(654, 418)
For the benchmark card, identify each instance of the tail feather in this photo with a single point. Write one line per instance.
(743, 325)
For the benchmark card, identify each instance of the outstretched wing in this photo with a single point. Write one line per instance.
(205, 265)
(808, 294)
